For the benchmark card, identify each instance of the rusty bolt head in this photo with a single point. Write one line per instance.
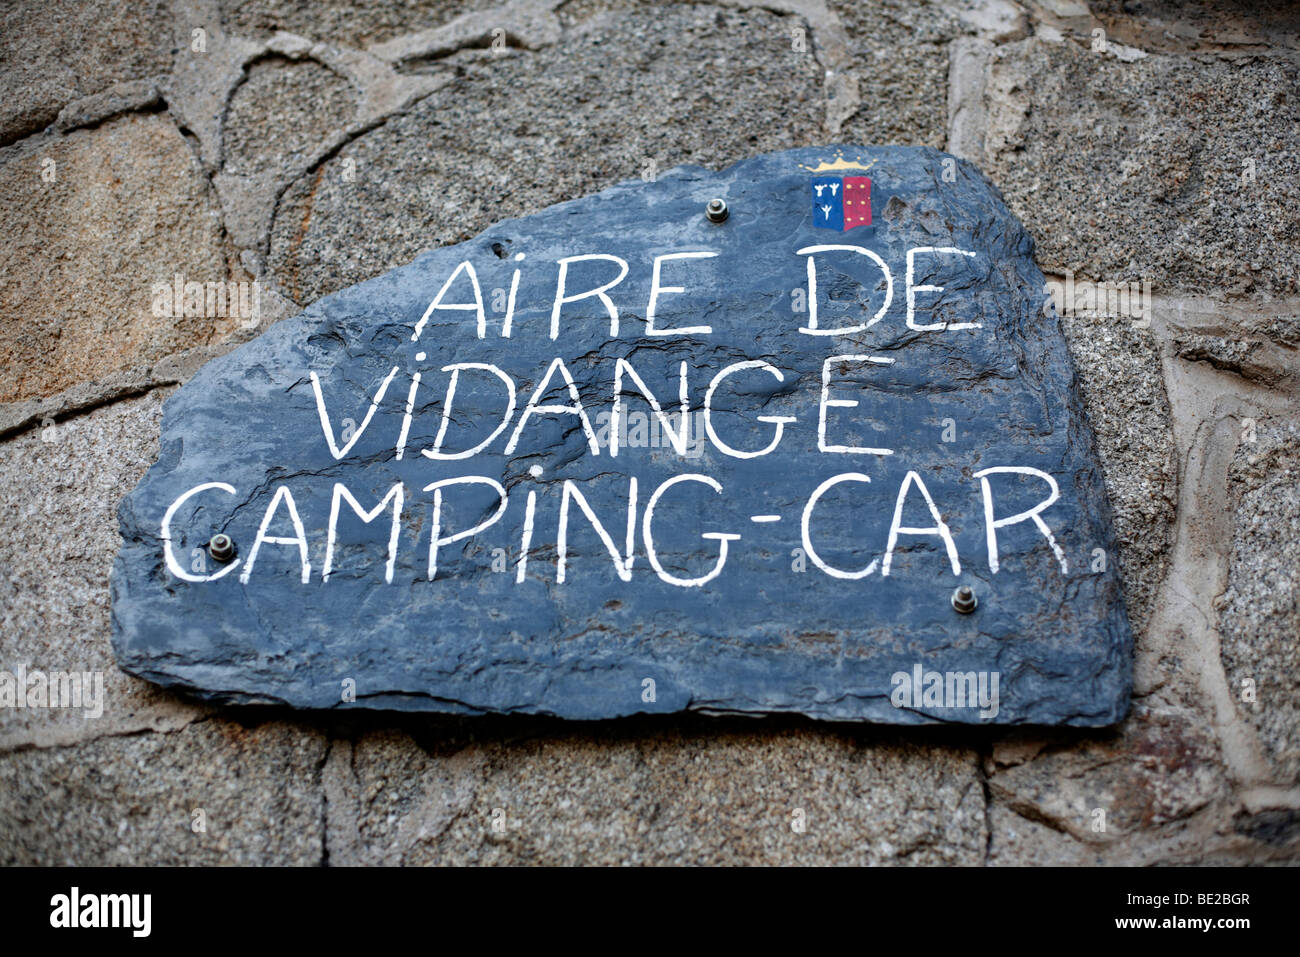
(716, 211)
(221, 548)
(964, 600)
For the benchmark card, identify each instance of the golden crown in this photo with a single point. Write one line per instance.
(839, 163)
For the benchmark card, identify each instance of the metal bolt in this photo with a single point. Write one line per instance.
(221, 548)
(964, 600)
(716, 211)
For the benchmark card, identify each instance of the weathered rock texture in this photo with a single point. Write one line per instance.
(987, 386)
(1127, 160)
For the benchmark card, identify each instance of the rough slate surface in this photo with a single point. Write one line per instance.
(761, 637)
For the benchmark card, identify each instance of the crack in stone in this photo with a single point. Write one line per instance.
(830, 46)
(51, 737)
(340, 812)
(532, 23)
(982, 761)
(1204, 406)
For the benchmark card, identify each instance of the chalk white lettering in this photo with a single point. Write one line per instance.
(436, 538)
(341, 492)
(450, 398)
(325, 419)
(476, 306)
(778, 420)
(896, 527)
(912, 289)
(722, 538)
(656, 289)
(812, 329)
(600, 292)
(299, 538)
(165, 534)
(827, 402)
(534, 408)
(991, 525)
(808, 548)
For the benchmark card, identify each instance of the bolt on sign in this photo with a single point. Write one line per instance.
(721, 442)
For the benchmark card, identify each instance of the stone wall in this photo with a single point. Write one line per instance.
(310, 146)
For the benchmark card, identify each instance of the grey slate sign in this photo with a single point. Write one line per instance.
(629, 455)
